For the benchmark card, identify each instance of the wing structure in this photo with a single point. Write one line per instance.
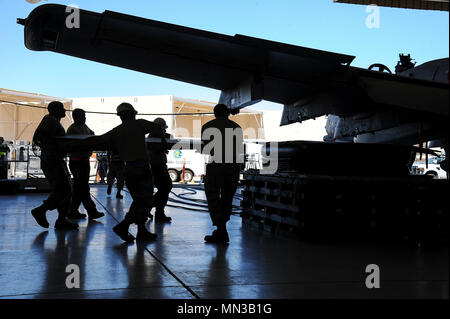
(272, 71)
(308, 82)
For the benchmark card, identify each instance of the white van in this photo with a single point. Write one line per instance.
(193, 161)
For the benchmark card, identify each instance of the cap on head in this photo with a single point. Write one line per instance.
(56, 108)
(160, 121)
(221, 110)
(125, 107)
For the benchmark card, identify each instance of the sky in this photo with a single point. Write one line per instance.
(318, 24)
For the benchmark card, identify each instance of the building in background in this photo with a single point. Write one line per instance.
(20, 114)
(18, 122)
(165, 106)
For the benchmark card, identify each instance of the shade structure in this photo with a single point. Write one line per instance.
(251, 121)
(21, 113)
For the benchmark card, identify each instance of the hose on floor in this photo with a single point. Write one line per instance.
(194, 204)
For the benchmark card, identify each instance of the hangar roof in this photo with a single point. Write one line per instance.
(440, 5)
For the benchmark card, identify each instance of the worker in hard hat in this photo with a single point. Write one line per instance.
(161, 178)
(116, 172)
(128, 139)
(54, 168)
(222, 141)
(80, 168)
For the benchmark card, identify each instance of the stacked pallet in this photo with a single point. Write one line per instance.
(315, 206)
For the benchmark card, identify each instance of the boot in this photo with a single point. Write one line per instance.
(95, 215)
(219, 237)
(161, 217)
(63, 224)
(76, 215)
(39, 215)
(145, 235)
(121, 230)
(119, 195)
(108, 191)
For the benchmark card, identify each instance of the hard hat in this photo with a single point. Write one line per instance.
(125, 107)
(160, 121)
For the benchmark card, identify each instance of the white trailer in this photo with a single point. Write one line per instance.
(194, 165)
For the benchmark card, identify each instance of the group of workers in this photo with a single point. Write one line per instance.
(139, 165)
(161, 178)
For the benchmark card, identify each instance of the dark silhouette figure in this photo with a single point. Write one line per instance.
(116, 171)
(3, 159)
(102, 166)
(223, 142)
(54, 168)
(128, 139)
(161, 178)
(22, 154)
(80, 167)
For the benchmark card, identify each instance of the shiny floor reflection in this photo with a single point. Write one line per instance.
(179, 264)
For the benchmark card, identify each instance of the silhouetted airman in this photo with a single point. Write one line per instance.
(80, 167)
(223, 143)
(161, 178)
(54, 168)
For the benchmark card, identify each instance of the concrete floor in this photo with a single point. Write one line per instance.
(180, 265)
